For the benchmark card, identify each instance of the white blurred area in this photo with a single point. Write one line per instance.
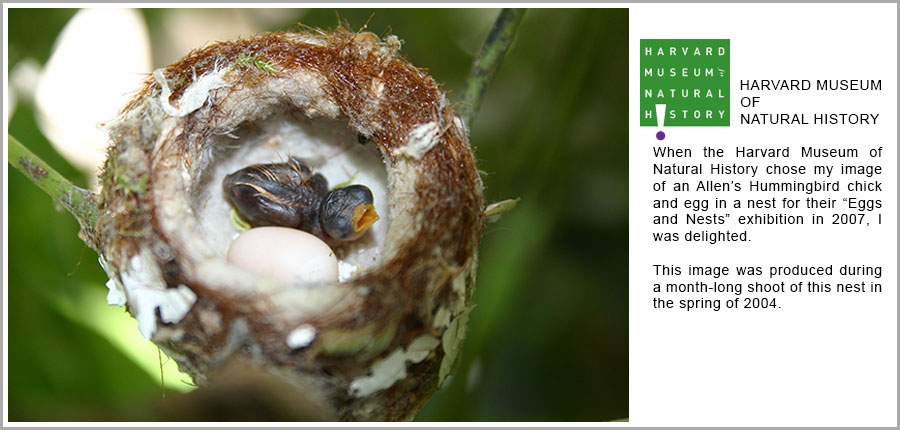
(100, 59)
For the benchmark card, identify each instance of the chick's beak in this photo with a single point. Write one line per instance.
(364, 216)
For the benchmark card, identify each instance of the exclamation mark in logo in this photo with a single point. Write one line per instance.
(660, 119)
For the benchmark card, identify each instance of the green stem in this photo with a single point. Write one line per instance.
(488, 61)
(78, 201)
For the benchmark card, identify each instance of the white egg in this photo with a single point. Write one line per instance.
(286, 254)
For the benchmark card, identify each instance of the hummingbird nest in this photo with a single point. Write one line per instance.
(371, 345)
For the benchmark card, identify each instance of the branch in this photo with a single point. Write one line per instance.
(488, 61)
(79, 202)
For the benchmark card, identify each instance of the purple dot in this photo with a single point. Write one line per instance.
(660, 135)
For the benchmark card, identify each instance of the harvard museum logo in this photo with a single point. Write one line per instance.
(684, 82)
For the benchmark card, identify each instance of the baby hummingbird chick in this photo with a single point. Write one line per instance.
(290, 195)
(346, 213)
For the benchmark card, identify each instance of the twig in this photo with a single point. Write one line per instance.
(79, 202)
(488, 61)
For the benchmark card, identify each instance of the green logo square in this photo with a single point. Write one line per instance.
(688, 76)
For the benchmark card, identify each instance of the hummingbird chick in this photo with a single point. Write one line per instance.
(290, 195)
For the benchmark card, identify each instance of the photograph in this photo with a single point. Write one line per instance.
(318, 214)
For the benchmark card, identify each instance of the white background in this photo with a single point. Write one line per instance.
(819, 360)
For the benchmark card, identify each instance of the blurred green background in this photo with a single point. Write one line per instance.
(548, 340)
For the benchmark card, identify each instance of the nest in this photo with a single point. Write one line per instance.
(373, 346)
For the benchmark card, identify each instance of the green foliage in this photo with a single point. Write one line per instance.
(131, 185)
(548, 337)
(262, 65)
